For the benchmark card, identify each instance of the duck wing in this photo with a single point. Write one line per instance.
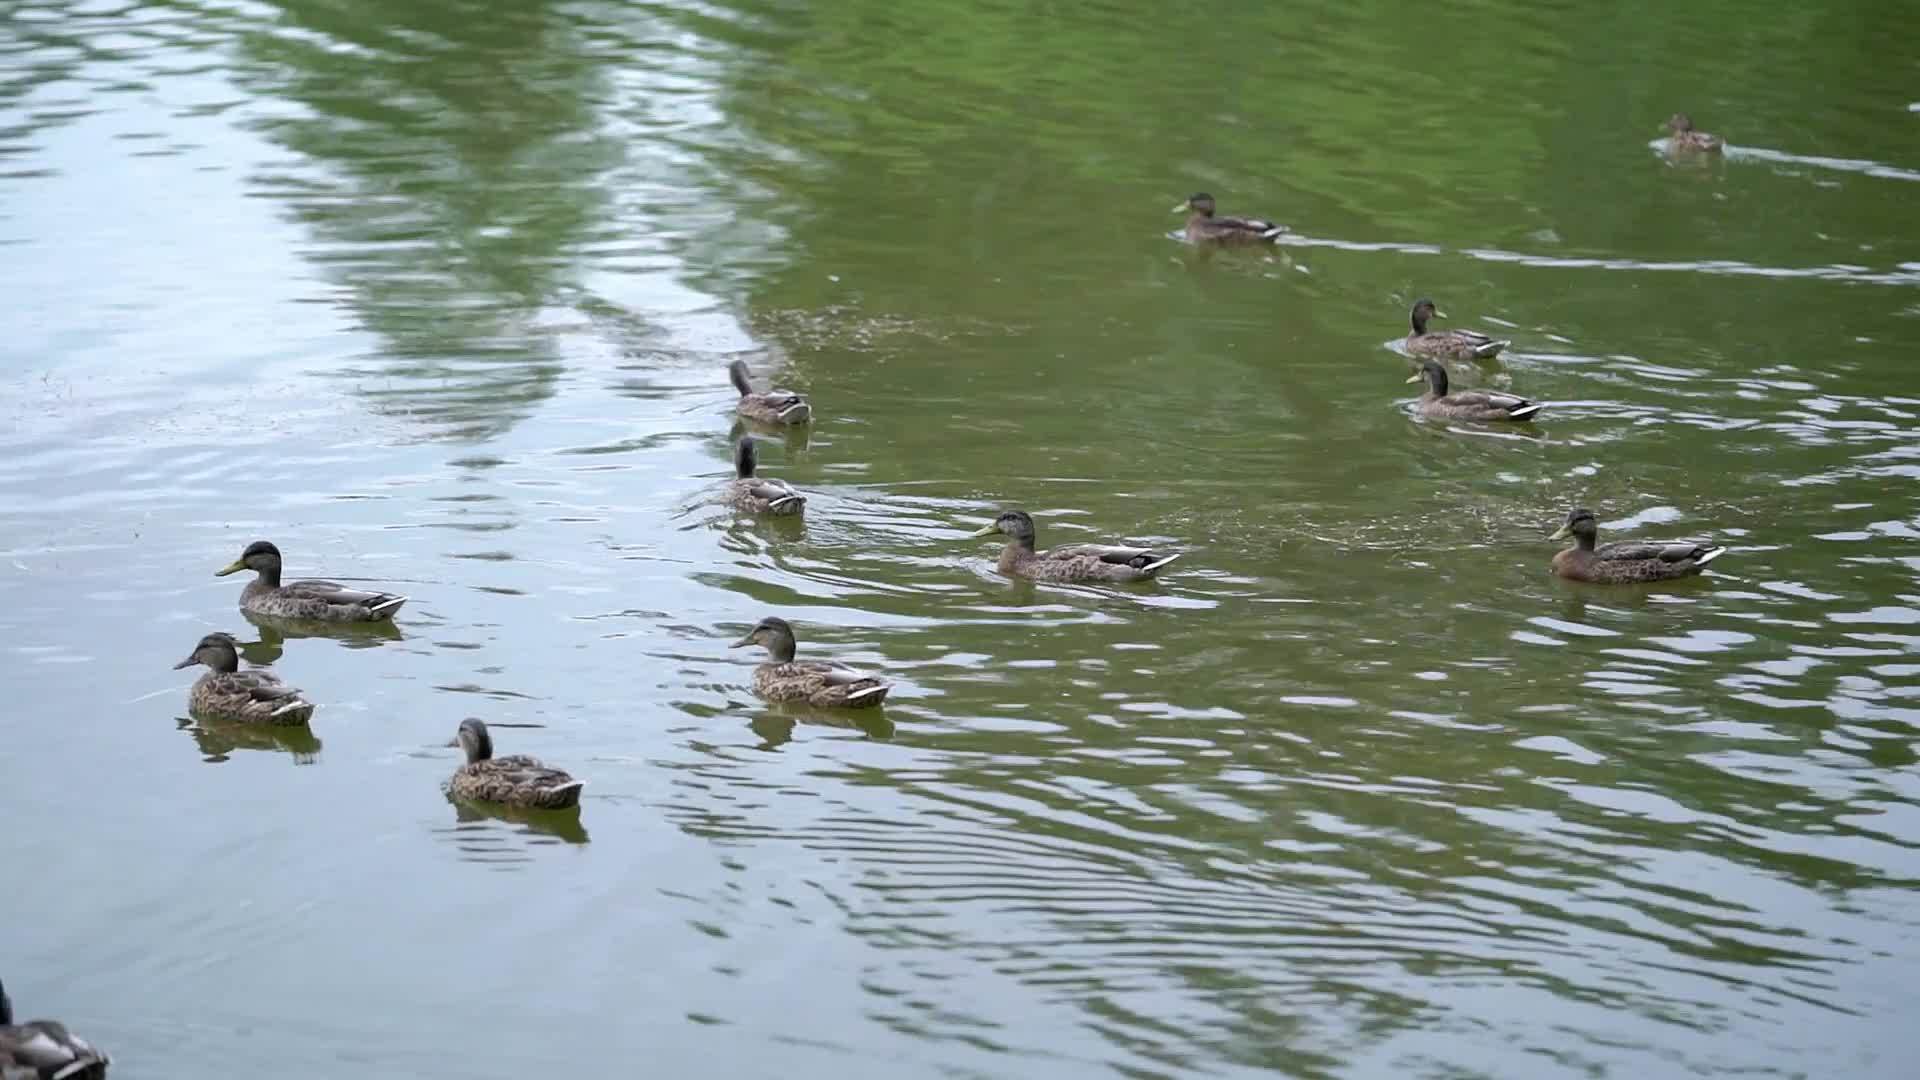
(1492, 404)
(332, 592)
(1118, 555)
(49, 1049)
(1667, 551)
(772, 491)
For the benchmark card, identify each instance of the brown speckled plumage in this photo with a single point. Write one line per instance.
(1489, 406)
(45, 1050)
(1203, 227)
(1684, 138)
(1626, 560)
(760, 494)
(815, 682)
(782, 408)
(1447, 344)
(514, 780)
(1070, 562)
(319, 601)
(248, 697)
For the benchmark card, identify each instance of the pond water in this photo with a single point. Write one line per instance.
(440, 294)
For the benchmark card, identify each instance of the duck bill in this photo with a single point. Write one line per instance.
(188, 662)
(988, 531)
(233, 567)
(1416, 376)
(743, 642)
(1561, 533)
(1177, 207)
(1438, 314)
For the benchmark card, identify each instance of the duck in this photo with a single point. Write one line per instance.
(1447, 344)
(45, 1050)
(758, 493)
(1071, 562)
(319, 601)
(515, 780)
(773, 407)
(1204, 228)
(225, 692)
(1626, 560)
(817, 682)
(1683, 137)
(1484, 405)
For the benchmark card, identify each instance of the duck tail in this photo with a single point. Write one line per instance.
(1154, 567)
(796, 411)
(1525, 412)
(292, 706)
(1490, 349)
(1712, 554)
(1272, 233)
(567, 794)
(788, 502)
(877, 692)
(737, 371)
(386, 607)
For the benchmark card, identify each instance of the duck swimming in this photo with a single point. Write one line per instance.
(816, 682)
(1447, 344)
(515, 780)
(1070, 562)
(1626, 560)
(1683, 137)
(1488, 406)
(321, 601)
(772, 407)
(225, 692)
(1204, 228)
(45, 1050)
(759, 494)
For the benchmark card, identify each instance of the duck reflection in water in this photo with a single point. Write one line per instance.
(218, 741)
(777, 724)
(277, 629)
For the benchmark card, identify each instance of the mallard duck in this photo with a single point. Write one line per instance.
(1485, 405)
(758, 493)
(1448, 344)
(1204, 228)
(816, 682)
(772, 407)
(45, 1050)
(1070, 562)
(514, 780)
(1683, 138)
(227, 693)
(1626, 560)
(322, 601)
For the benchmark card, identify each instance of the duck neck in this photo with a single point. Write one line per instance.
(269, 577)
(1584, 539)
(1419, 323)
(781, 649)
(1437, 381)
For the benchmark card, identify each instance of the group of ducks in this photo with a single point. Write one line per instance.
(1586, 560)
(45, 1050)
